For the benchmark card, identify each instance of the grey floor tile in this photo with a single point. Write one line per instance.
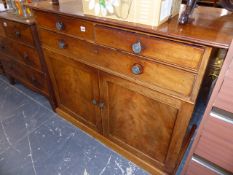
(4, 143)
(39, 98)
(26, 120)
(17, 160)
(11, 101)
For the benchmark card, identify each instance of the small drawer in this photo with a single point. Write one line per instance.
(67, 45)
(216, 142)
(68, 25)
(26, 75)
(18, 31)
(159, 49)
(23, 53)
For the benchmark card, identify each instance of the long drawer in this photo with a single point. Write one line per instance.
(159, 49)
(21, 52)
(23, 73)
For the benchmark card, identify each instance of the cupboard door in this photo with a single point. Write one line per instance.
(142, 121)
(77, 88)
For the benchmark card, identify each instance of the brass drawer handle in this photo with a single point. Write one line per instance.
(18, 34)
(60, 26)
(137, 69)
(62, 44)
(137, 47)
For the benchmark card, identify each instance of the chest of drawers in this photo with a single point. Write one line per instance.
(21, 56)
(128, 86)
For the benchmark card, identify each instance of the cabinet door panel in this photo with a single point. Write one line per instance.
(139, 119)
(76, 86)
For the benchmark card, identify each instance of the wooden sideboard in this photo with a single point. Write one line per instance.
(131, 86)
(21, 55)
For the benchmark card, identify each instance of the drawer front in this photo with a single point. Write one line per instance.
(196, 168)
(68, 25)
(216, 143)
(158, 49)
(67, 45)
(18, 31)
(26, 75)
(23, 53)
(150, 73)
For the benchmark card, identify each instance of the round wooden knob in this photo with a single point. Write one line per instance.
(137, 69)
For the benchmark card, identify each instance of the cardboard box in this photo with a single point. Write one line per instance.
(148, 12)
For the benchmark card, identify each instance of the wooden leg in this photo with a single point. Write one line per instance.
(184, 18)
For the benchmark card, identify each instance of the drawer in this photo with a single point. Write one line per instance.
(23, 53)
(216, 142)
(159, 49)
(26, 75)
(68, 25)
(18, 31)
(67, 45)
(148, 72)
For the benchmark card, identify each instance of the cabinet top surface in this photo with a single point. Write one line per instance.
(10, 16)
(209, 26)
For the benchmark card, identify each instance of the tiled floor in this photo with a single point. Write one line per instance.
(36, 141)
